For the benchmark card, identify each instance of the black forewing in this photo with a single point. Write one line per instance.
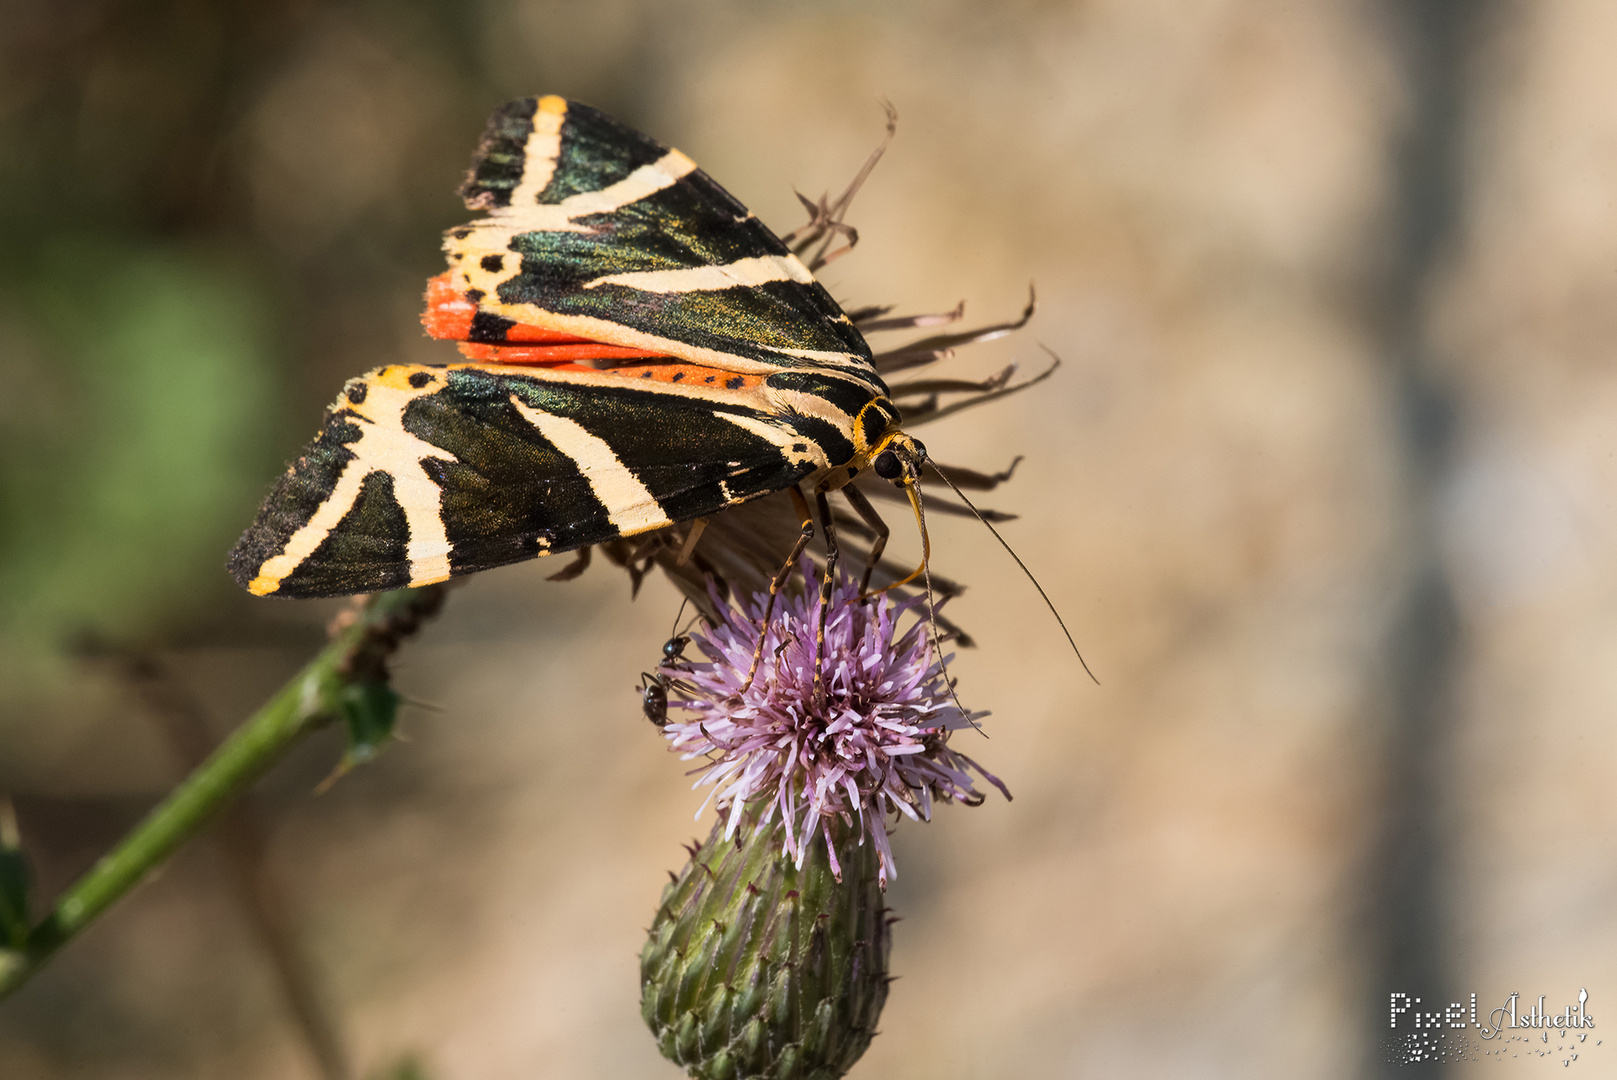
(502, 490)
(511, 493)
(688, 224)
(501, 156)
(364, 553)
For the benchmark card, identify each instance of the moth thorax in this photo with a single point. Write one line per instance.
(876, 423)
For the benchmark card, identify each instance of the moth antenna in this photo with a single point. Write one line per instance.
(913, 489)
(1044, 595)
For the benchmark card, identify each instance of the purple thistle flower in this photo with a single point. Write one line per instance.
(876, 744)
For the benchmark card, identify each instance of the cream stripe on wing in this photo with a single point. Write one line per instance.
(743, 272)
(386, 444)
(383, 446)
(646, 180)
(558, 217)
(302, 543)
(785, 441)
(830, 357)
(630, 506)
(540, 154)
(422, 500)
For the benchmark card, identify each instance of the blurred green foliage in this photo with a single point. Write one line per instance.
(369, 710)
(195, 240)
(138, 332)
(408, 1067)
(15, 882)
(140, 397)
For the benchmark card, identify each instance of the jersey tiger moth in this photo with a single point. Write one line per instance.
(639, 350)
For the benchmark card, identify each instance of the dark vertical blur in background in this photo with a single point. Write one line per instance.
(1324, 489)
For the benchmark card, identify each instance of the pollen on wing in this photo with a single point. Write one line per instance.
(874, 744)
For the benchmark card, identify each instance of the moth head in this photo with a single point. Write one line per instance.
(899, 458)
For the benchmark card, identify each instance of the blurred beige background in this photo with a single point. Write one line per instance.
(1324, 490)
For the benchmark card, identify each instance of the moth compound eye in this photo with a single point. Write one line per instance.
(887, 465)
(920, 450)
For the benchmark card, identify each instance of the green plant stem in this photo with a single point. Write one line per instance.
(357, 653)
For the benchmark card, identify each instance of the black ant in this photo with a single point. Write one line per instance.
(654, 685)
(654, 697)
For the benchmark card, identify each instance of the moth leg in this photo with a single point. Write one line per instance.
(642, 557)
(827, 584)
(580, 563)
(785, 641)
(696, 534)
(801, 505)
(857, 500)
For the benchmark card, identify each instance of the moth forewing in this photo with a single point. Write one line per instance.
(481, 465)
(599, 231)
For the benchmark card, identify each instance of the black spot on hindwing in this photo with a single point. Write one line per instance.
(489, 328)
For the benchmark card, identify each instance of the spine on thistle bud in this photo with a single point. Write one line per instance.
(756, 969)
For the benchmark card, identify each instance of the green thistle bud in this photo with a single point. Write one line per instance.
(758, 969)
